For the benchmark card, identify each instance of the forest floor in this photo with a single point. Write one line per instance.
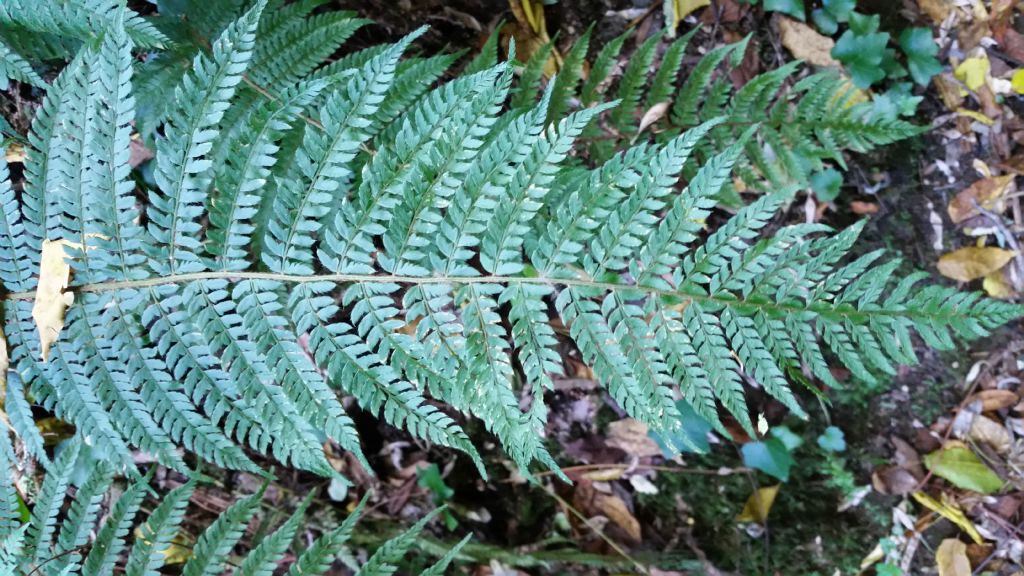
(874, 506)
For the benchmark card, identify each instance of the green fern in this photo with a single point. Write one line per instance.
(336, 231)
(102, 539)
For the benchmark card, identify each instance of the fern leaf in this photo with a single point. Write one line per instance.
(263, 559)
(568, 76)
(601, 69)
(110, 539)
(631, 85)
(181, 167)
(321, 165)
(48, 503)
(439, 567)
(220, 537)
(383, 560)
(318, 557)
(148, 554)
(14, 67)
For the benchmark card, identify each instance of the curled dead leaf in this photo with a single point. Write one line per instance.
(51, 298)
(973, 262)
(805, 43)
(997, 285)
(949, 510)
(987, 193)
(676, 10)
(15, 153)
(652, 115)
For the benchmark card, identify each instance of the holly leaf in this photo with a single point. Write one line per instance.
(920, 48)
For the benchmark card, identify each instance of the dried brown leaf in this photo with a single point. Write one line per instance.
(951, 558)
(805, 43)
(987, 193)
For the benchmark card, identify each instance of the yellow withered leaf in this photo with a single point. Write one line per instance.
(951, 558)
(1017, 81)
(973, 72)
(51, 298)
(5, 363)
(759, 504)
(676, 10)
(987, 193)
(950, 511)
(973, 262)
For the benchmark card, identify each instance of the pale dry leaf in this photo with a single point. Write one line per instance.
(988, 431)
(51, 298)
(937, 10)
(992, 400)
(616, 510)
(997, 285)
(951, 558)
(5, 363)
(631, 437)
(805, 43)
(652, 115)
(15, 153)
(987, 193)
(973, 262)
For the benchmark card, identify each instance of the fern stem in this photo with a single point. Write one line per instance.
(466, 280)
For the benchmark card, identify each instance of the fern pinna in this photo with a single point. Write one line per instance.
(345, 229)
(89, 543)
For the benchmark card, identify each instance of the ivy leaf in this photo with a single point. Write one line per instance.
(788, 437)
(832, 440)
(920, 48)
(862, 24)
(825, 21)
(826, 184)
(770, 457)
(862, 56)
(794, 8)
(693, 434)
(840, 10)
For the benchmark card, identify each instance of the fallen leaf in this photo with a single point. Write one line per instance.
(893, 481)
(997, 285)
(986, 193)
(676, 10)
(973, 72)
(759, 504)
(5, 363)
(975, 115)
(950, 511)
(937, 10)
(963, 469)
(805, 43)
(531, 33)
(631, 437)
(51, 299)
(178, 551)
(653, 114)
(973, 262)
(992, 400)
(616, 510)
(1017, 81)
(988, 431)
(951, 558)
(861, 208)
(15, 153)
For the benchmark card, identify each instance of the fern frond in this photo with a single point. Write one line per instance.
(13, 66)
(110, 539)
(81, 19)
(220, 537)
(148, 554)
(383, 560)
(48, 503)
(316, 559)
